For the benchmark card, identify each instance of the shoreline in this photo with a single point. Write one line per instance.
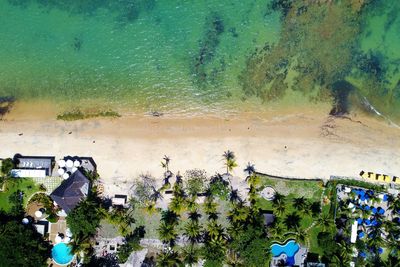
(309, 144)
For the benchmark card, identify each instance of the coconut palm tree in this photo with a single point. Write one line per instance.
(194, 215)
(234, 196)
(80, 244)
(230, 161)
(239, 214)
(191, 203)
(193, 231)
(278, 197)
(165, 163)
(168, 258)
(169, 216)
(324, 221)
(292, 221)
(156, 195)
(191, 255)
(300, 203)
(301, 235)
(253, 180)
(167, 233)
(250, 169)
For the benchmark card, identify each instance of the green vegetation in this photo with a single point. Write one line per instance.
(25, 186)
(48, 205)
(80, 115)
(21, 245)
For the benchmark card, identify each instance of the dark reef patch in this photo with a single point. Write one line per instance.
(341, 91)
(6, 103)
(214, 27)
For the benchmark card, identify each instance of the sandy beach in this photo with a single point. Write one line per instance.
(306, 144)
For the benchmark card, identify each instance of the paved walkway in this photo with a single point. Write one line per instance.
(50, 183)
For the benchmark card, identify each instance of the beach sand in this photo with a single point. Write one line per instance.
(307, 144)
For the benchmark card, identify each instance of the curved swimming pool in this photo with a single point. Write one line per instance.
(61, 254)
(290, 248)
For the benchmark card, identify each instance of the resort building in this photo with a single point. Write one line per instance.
(33, 166)
(71, 191)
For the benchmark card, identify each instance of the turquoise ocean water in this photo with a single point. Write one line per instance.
(186, 56)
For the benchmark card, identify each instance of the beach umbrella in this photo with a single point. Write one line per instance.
(359, 221)
(367, 222)
(74, 169)
(380, 250)
(38, 214)
(367, 208)
(362, 254)
(69, 163)
(77, 163)
(61, 163)
(381, 211)
(68, 232)
(65, 176)
(385, 197)
(25, 221)
(58, 239)
(361, 235)
(374, 210)
(61, 171)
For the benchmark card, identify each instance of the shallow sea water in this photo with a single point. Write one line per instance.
(167, 55)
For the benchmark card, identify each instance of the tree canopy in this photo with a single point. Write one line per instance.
(84, 219)
(22, 246)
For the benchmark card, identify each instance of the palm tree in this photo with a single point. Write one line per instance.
(168, 258)
(300, 203)
(165, 163)
(191, 203)
(250, 169)
(80, 244)
(194, 215)
(215, 231)
(278, 197)
(324, 221)
(169, 216)
(230, 162)
(292, 221)
(191, 255)
(253, 180)
(280, 208)
(156, 195)
(234, 196)
(167, 233)
(239, 214)
(193, 231)
(301, 235)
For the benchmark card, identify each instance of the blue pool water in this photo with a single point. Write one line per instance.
(290, 249)
(61, 254)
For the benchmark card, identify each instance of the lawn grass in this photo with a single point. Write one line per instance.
(26, 185)
(309, 189)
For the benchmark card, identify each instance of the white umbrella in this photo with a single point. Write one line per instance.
(74, 169)
(68, 232)
(77, 163)
(67, 239)
(61, 171)
(65, 176)
(25, 221)
(61, 163)
(38, 214)
(58, 239)
(69, 163)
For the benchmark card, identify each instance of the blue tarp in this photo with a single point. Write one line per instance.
(380, 250)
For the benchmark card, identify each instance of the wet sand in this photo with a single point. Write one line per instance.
(306, 144)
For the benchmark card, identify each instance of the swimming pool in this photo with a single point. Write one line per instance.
(290, 249)
(61, 254)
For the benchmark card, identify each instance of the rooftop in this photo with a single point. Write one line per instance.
(71, 191)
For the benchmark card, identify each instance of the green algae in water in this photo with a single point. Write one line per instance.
(194, 56)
